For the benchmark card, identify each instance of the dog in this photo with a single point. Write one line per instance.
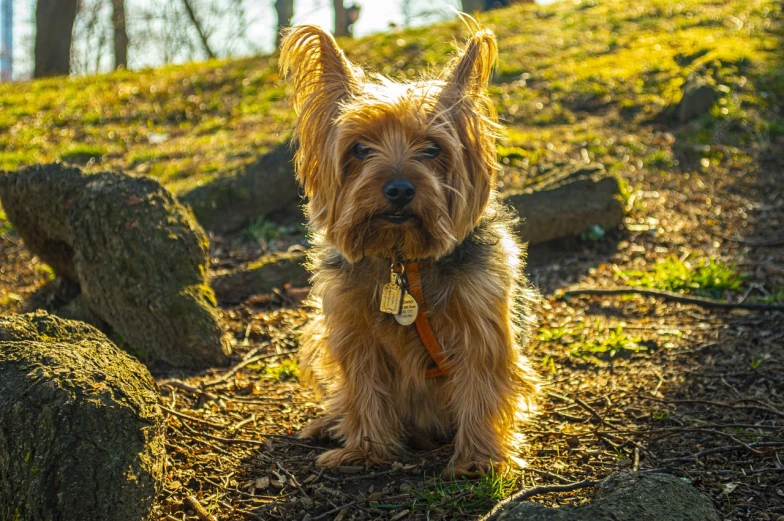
(422, 308)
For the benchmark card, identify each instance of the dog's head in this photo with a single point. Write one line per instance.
(388, 167)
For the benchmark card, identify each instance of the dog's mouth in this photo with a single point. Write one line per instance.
(398, 217)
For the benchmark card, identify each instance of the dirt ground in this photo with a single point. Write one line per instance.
(701, 395)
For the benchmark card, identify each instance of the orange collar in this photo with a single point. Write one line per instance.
(423, 326)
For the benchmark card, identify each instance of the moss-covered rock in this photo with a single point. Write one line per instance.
(623, 496)
(139, 257)
(81, 433)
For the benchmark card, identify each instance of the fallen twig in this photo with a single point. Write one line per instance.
(766, 241)
(192, 418)
(357, 502)
(732, 405)
(717, 450)
(675, 297)
(194, 505)
(231, 372)
(536, 491)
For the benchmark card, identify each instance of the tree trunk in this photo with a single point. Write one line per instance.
(54, 21)
(120, 34)
(285, 11)
(473, 6)
(341, 20)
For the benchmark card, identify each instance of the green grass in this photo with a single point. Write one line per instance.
(286, 370)
(5, 225)
(265, 230)
(82, 153)
(592, 344)
(570, 78)
(774, 297)
(706, 277)
(458, 494)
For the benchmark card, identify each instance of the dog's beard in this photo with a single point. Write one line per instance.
(405, 233)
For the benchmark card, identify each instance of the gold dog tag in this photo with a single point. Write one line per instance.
(409, 310)
(392, 296)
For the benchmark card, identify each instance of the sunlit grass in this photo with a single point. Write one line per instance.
(702, 276)
(81, 153)
(590, 343)
(459, 494)
(556, 61)
(5, 224)
(286, 370)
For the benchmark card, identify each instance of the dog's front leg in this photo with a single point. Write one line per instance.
(484, 389)
(363, 407)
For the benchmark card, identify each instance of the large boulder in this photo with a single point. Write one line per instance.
(623, 496)
(139, 257)
(81, 433)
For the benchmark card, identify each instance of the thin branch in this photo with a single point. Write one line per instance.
(765, 241)
(675, 297)
(536, 491)
(357, 502)
(718, 450)
(196, 24)
(732, 405)
(197, 507)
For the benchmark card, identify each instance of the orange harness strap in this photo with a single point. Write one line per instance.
(423, 326)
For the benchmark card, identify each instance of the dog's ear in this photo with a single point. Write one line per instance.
(464, 98)
(471, 71)
(312, 59)
(322, 78)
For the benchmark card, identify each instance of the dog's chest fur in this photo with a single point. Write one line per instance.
(478, 281)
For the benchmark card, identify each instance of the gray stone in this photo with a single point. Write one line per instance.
(623, 496)
(81, 433)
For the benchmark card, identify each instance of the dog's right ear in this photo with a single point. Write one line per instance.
(311, 57)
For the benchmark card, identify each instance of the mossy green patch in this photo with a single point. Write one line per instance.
(565, 71)
(692, 274)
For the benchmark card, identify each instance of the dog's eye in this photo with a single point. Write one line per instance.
(361, 151)
(430, 150)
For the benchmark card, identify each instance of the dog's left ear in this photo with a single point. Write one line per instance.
(471, 71)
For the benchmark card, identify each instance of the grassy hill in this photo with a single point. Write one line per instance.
(579, 80)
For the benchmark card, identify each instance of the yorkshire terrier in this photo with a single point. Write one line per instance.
(422, 305)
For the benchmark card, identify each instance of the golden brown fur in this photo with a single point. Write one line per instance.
(372, 368)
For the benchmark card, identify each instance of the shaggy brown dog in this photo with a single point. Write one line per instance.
(400, 179)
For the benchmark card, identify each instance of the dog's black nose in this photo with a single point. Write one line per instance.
(399, 192)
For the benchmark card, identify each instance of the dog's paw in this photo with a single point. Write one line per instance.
(317, 429)
(336, 457)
